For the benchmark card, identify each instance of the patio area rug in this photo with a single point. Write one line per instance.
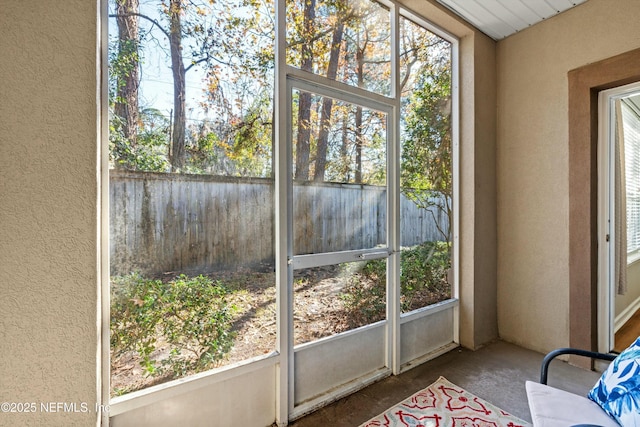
(444, 404)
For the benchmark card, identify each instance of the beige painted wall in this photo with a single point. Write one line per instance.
(484, 193)
(532, 162)
(48, 210)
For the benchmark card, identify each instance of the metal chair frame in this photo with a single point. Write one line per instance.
(544, 370)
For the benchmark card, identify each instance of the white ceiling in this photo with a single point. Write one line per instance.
(501, 18)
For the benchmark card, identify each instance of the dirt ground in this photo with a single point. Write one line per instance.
(319, 311)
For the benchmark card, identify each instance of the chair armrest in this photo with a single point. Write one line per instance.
(576, 351)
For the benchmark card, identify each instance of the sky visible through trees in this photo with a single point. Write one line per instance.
(205, 78)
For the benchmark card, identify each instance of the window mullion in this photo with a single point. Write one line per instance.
(283, 225)
(338, 90)
(393, 202)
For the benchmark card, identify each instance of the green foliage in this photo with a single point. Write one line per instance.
(423, 269)
(189, 315)
(423, 278)
(426, 161)
(202, 153)
(233, 42)
(252, 135)
(133, 318)
(241, 147)
(364, 296)
(124, 56)
(426, 155)
(150, 152)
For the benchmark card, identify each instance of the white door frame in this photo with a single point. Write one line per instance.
(606, 206)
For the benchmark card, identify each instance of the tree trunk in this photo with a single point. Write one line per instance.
(126, 105)
(327, 105)
(358, 130)
(344, 149)
(176, 155)
(303, 142)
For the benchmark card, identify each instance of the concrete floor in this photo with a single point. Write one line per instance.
(496, 373)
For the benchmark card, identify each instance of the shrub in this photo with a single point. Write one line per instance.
(423, 278)
(423, 269)
(364, 294)
(191, 315)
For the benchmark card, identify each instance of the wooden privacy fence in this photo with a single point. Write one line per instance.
(177, 223)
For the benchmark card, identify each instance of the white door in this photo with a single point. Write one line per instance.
(618, 183)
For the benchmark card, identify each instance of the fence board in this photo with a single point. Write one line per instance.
(161, 223)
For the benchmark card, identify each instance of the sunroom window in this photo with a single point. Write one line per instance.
(191, 188)
(426, 169)
(631, 134)
(348, 41)
(278, 194)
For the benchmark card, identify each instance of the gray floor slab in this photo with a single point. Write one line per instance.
(496, 373)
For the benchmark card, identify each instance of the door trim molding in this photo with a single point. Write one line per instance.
(584, 84)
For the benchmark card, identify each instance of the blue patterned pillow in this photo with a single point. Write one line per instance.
(618, 389)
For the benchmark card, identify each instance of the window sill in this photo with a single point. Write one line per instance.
(633, 258)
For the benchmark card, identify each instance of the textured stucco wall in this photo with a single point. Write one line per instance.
(532, 162)
(48, 209)
(484, 191)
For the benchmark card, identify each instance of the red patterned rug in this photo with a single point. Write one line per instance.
(444, 404)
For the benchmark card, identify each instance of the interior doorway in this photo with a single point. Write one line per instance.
(619, 216)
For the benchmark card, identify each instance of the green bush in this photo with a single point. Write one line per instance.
(364, 294)
(423, 268)
(189, 315)
(423, 277)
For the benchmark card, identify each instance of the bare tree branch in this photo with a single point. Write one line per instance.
(141, 15)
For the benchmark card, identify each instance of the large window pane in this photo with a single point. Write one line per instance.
(191, 187)
(348, 41)
(628, 130)
(339, 204)
(339, 189)
(337, 298)
(426, 167)
(192, 224)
